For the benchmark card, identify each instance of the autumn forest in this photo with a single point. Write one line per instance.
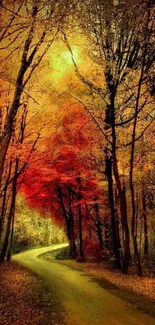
(77, 129)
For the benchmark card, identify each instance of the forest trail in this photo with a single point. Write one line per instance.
(84, 301)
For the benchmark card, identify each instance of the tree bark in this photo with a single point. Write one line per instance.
(10, 246)
(99, 227)
(80, 220)
(3, 209)
(116, 245)
(71, 237)
(120, 187)
(73, 250)
(69, 223)
(144, 54)
(10, 221)
(144, 214)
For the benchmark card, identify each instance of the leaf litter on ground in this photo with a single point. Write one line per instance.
(21, 299)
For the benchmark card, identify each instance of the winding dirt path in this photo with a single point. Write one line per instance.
(84, 301)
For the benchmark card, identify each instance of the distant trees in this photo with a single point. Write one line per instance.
(30, 230)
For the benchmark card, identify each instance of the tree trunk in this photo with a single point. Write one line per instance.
(99, 227)
(3, 209)
(80, 234)
(107, 237)
(69, 222)
(120, 188)
(10, 216)
(80, 221)
(140, 82)
(71, 237)
(144, 214)
(73, 251)
(9, 252)
(114, 222)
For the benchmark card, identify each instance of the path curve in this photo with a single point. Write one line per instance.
(85, 302)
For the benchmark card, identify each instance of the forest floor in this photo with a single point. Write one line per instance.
(23, 298)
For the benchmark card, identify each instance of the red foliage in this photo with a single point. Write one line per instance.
(65, 159)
